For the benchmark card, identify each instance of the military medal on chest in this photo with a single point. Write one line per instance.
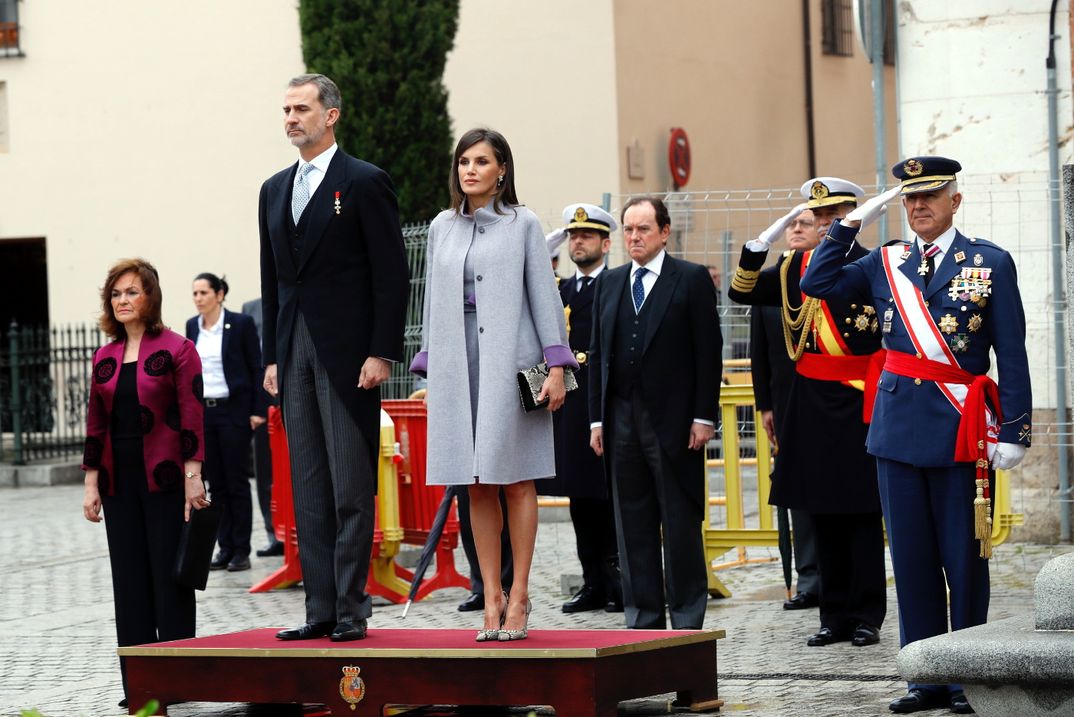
(974, 324)
(337, 203)
(972, 285)
(948, 324)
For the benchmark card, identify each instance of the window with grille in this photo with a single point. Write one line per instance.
(9, 29)
(837, 20)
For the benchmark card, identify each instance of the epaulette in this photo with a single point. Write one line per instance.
(977, 241)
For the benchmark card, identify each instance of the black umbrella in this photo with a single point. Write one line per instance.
(429, 549)
(783, 524)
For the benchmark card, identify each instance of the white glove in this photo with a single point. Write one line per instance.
(1008, 455)
(872, 209)
(772, 234)
(554, 239)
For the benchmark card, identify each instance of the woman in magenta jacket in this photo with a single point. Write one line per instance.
(143, 455)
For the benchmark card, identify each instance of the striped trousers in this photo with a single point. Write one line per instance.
(333, 488)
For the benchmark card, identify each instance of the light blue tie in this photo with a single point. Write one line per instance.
(301, 196)
(638, 291)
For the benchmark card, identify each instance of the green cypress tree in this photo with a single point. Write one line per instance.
(388, 56)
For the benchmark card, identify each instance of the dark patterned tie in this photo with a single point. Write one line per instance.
(638, 291)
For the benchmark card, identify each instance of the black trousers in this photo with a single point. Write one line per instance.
(263, 478)
(466, 535)
(853, 582)
(143, 532)
(652, 502)
(226, 468)
(594, 532)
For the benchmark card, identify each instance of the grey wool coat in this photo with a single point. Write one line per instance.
(521, 322)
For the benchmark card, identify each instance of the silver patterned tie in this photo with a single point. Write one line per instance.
(301, 195)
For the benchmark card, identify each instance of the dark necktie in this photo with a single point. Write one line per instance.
(930, 260)
(584, 282)
(638, 291)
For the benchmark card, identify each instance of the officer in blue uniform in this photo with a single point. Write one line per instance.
(944, 302)
(580, 472)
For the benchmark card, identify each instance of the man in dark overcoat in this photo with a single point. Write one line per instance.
(826, 472)
(654, 385)
(334, 282)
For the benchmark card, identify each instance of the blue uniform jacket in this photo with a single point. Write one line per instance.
(914, 422)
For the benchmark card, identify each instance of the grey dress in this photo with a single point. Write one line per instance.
(516, 321)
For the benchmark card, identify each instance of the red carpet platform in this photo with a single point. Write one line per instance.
(577, 672)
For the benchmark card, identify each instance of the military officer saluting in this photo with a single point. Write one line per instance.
(826, 473)
(579, 471)
(939, 423)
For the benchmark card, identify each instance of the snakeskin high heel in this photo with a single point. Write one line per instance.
(509, 635)
(494, 634)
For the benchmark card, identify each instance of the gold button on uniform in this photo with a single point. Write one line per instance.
(918, 354)
(917, 381)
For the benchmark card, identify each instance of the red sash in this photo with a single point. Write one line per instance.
(867, 368)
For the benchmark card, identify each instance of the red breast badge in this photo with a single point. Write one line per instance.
(351, 686)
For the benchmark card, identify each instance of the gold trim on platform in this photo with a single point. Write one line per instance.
(429, 652)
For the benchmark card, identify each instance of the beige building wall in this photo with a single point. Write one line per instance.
(144, 128)
(543, 74)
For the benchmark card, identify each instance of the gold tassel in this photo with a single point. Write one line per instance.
(981, 527)
(986, 539)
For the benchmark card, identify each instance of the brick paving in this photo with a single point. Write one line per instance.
(57, 632)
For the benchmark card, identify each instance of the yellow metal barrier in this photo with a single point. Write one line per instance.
(736, 535)
(383, 579)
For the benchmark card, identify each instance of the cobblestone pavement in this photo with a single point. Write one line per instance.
(57, 632)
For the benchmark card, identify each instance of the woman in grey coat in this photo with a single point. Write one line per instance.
(491, 309)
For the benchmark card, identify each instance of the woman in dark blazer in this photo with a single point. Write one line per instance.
(231, 363)
(143, 455)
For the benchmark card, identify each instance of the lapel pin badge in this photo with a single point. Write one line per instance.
(337, 202)
(960, 256)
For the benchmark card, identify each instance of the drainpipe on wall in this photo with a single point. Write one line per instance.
(1058, 297)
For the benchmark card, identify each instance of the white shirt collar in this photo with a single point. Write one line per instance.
(579, 276)
(215, 328)
(322, 160)
(943, 241)
(655, 265)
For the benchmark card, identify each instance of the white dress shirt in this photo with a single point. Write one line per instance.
(579, 277)
(210, 348)
(943, 242)
(320, 167)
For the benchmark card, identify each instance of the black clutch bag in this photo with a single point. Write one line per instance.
(530, 381)
(196, 547)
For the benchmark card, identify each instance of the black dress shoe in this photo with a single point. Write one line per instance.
(917, 700)
(865, 635)
(823, 637)
(475, 602)
(346, 631)
(271, 550)
(238, 563)
(309, 631)
(960, 705)
(220, 562)
(613, 605)
(584, 600)
(801, 601)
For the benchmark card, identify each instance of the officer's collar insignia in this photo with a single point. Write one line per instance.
(960, 256)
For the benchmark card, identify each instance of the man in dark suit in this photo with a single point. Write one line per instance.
(653, 391)
(335, 281)
(262, 453)
(580, 472)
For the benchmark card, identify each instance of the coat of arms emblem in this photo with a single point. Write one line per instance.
(351, 686)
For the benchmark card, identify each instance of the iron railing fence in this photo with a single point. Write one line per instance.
(44, 389)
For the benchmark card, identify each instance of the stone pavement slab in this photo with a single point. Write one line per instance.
(57, 630)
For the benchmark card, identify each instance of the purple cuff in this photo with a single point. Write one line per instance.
(560, 355)
(420, 364)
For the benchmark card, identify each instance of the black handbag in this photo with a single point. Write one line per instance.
(530, 381)
(196, 547)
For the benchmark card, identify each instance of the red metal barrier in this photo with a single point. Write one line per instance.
(283, 508)
(417, 501)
